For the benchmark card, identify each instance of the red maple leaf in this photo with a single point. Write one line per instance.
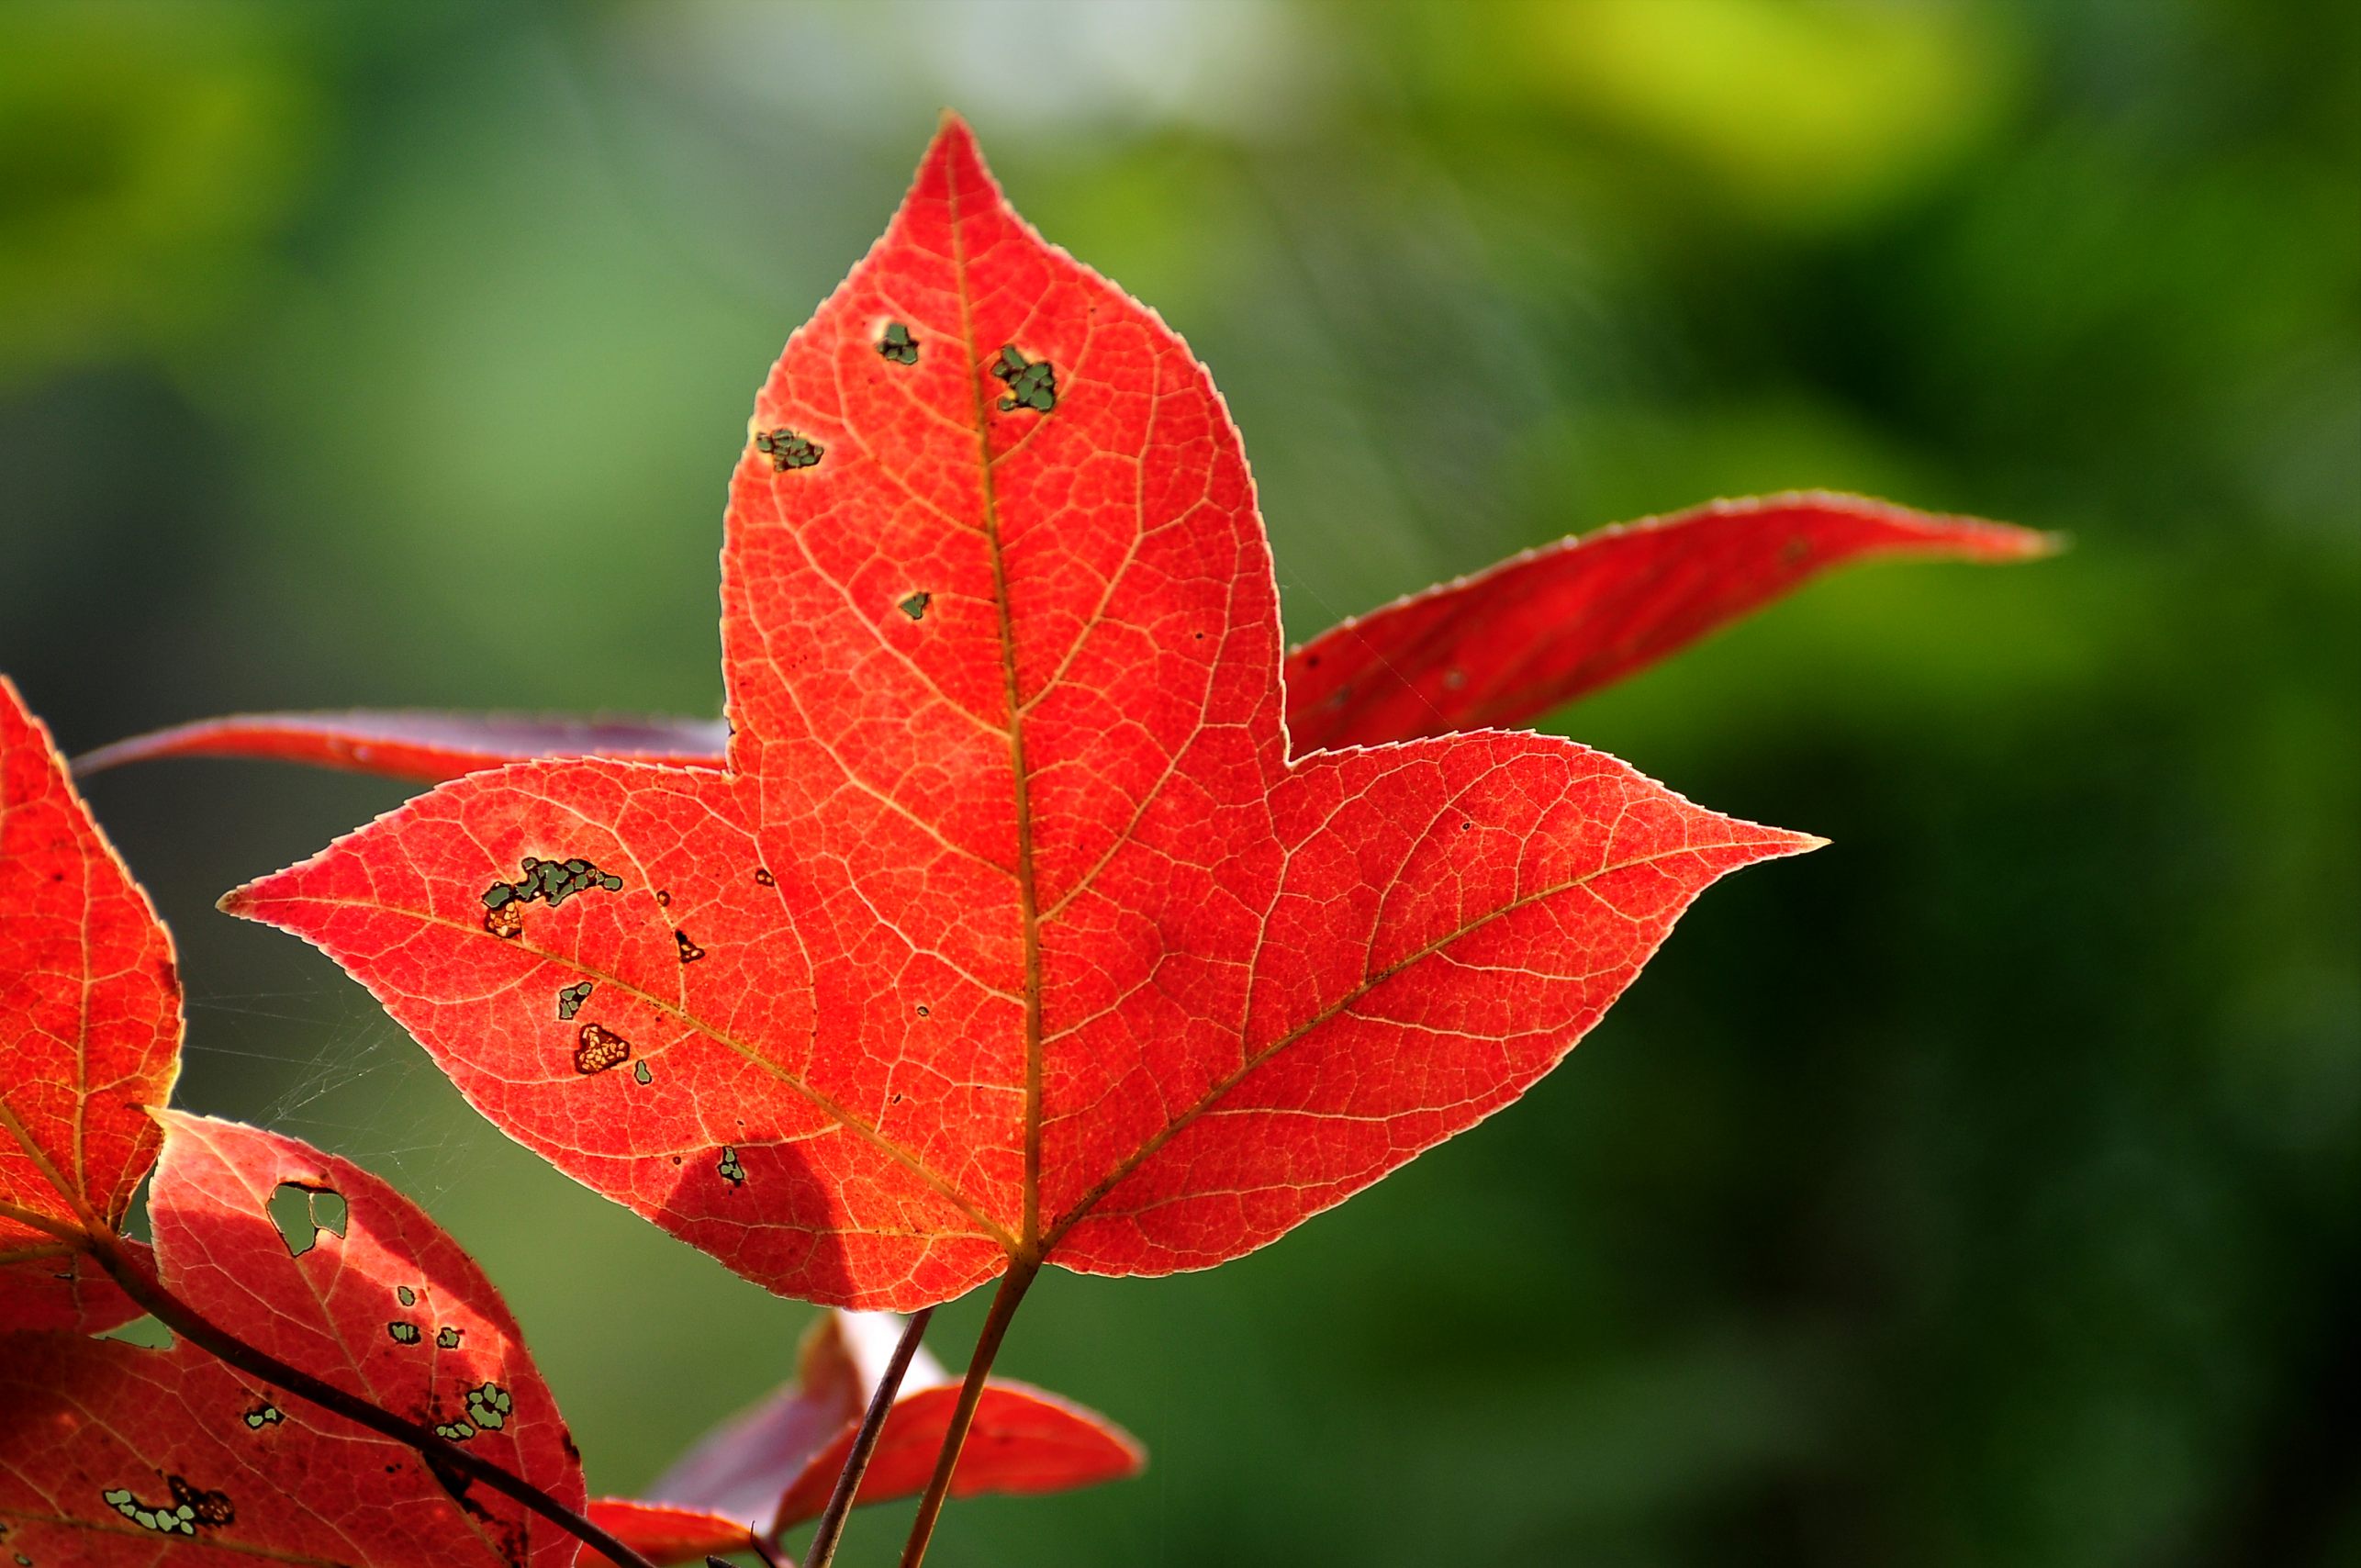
(90, 1027)
(1499, 648)
(111, 1453)
(1010, 933)
(773, 1466)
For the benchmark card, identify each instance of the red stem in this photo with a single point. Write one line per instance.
(1014, 1285)
(865, 1443)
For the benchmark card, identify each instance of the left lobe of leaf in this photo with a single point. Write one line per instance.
(112, 1452)
(90, 1029)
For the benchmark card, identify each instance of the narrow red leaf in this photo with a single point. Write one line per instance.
(430, 747)
(111, 1453)
(1011, 930)
(774, 1465)
(664, 1535)
(90, 1027)
(1502, 647)
(1495, 650)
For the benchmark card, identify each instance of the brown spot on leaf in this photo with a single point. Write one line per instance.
(690, 951)
(596, 1048)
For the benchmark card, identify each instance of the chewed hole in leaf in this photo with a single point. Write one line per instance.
(788, 450)
(896, 345)
(302, 1212)
(915, 605)
(1032, 384)
(145, 1331)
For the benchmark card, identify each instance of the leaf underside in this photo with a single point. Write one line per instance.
(1010, 929)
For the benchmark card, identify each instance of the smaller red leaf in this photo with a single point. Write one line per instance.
(664, 1534)
(1503, 647)
(773, 1466)
(425, 747)
(112, 1451)
(90, 1026)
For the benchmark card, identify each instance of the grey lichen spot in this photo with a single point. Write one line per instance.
(263, 1415)
(690, 951)
(640, 1071)
(788, 450)
(489, 1406)
(571, 998)
(731, 1171)
(405, 1296)
(898, 345)
(596, 1048)
(402, 1333)
(552, 881)
(915, 605)
(447, 1337)
(454, 1431)
(190, 1507)
(1032, 384)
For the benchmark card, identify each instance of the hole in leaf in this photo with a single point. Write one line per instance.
(302, 1212)
(146, 1332)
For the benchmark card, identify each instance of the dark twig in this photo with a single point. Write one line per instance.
(443, 1457)
(865, 1443)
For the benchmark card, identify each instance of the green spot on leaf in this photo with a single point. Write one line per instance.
(731, 1171)
(403, 1333)
(454, 1431)
(898, 345)
(264, 1416)
(551, 881)
(640, 1071)
(1031, 384)
(405, 1296)
(915, 605)
(489, 1406)
(447, 1337)
(788, 450)
(570, 999)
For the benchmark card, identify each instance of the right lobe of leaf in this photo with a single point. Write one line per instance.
(89, 1033)
(111, 1453)
(1503, 647)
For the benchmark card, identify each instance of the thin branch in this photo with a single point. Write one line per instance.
(865, 1443)
(1014, 1285)
(443, 1457)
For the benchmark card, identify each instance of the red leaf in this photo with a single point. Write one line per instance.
(430, 747)
(664, 1535)
(1509, 644)
(774, 1466)
(106, 1442)
(90, 1027)
(1010, 930)
(1495, 650)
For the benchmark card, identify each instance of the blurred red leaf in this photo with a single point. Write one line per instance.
(1514, 641)
(1010, 933)
(111, 1453)
(1496, 650)
(773, 1466)
(90, 1026)
(427, 747)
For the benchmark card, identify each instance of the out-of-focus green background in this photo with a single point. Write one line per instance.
(1985, 1189)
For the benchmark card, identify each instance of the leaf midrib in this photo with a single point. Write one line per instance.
(1028, 899)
